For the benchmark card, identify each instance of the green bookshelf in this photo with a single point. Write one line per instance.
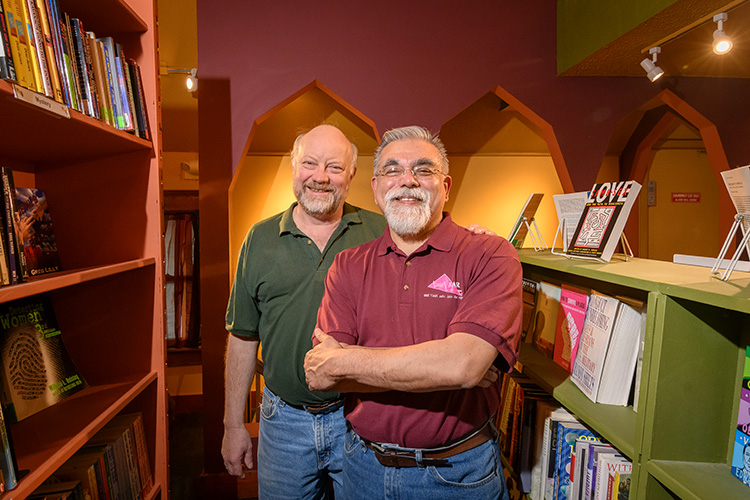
(681, 436)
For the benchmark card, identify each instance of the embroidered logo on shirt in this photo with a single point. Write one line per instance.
(444, 284)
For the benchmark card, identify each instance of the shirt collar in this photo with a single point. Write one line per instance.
(287, 225)
(442, 239)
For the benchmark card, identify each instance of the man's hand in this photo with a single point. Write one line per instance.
(237, 450)
(477, 229)
(318, 365)
(489, 378)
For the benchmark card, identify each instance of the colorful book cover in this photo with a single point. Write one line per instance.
(37, 369)
(570, 318)
(567, 434)
(36, 232)
(603, 220)
(741, 454)
(589, 472)
(621, 486)
(530, 288)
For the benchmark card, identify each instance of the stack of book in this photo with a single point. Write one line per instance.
(595, 337)
(113, 464)
(45, 50)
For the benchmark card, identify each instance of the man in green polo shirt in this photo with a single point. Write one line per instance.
(277, 289)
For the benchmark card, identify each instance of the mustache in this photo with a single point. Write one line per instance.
(417, 193)
(319, 186)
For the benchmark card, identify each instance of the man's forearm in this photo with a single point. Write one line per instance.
(456, 362)
(239, 371)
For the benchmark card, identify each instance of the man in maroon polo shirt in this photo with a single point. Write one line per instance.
(418, 323)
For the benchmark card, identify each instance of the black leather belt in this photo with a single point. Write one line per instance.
(389, 456)
(319, 409)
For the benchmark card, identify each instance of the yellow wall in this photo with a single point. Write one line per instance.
(494, 189)
(685, 228)
(173, 177)
(263, 187)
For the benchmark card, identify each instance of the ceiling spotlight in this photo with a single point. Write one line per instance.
(653, 71)
(191, 82)
(722, 43)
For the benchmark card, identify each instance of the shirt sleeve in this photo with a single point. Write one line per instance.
(243, 315)
(491, 308)
(337, 314)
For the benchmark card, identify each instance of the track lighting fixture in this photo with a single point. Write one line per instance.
(191, 80)
(653, 71)
(722, 43)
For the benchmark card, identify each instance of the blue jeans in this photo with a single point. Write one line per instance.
(475, 474)
(298, 451)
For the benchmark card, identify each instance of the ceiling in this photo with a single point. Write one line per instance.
(684, 32)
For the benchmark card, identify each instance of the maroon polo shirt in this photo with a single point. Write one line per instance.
(456, 282)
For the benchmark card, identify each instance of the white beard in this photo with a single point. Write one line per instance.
(408, 220)
(318, 205)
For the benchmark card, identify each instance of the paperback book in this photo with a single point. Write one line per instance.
(570, 319)
(569, 208)
(545, 316)
(37, 370)
(603, 220)
(741, 453)
(36, 232)
(567, 435)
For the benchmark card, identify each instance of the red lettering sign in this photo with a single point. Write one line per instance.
(686, 197)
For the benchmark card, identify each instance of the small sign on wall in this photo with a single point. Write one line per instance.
(686, 197)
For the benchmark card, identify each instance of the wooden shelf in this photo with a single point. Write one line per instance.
(698, 481)
(63, 279)
(44, 441)
(109, 16)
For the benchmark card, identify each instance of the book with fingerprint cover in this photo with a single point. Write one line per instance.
(37, 370)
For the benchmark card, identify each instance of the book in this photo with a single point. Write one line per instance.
(37, 370)
(69, 490)
(37, 35)
(82, 467)
(545, 316)
(549, 451)
(544, 409)
(530, 288)
(741, 452)
(140, 98)
(622, 353)
(595, 450)
(608, 464)
(619, 485)
(8, 465)
(15, 262)
(49, 50)
(592, 349)
(36, 232)
(603, 220)
(578, 469)
(569, 208)
(567, 434)
(570, 318)
(737, 182)
(7, 67)
(18, 44)
(520, 228)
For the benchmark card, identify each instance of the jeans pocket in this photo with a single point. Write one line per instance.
(470, 469)
(269, 406)
(352, 443)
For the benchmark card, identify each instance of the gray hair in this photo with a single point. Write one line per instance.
(407, 133)
(294, 154)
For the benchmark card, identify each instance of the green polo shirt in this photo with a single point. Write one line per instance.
(277, 290)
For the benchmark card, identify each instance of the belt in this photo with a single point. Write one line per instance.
(437, 457)
(319, 409)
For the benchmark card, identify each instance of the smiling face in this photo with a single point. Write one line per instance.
(322, 170)
(412, 205)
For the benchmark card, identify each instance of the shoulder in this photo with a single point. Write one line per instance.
(358, 255)
(369, 219)
(485, 244)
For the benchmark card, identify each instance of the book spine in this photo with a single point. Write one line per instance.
(81, 68)
(19, 49)
(60, 55)
(8, 466)
(89, 74)
(144, 464)
(130, 91)
(98, 77)
(10, 193)
(7, 67)
(123, 89)
(114, 94)
(81, 105)
(31, 44)
(35, 30)
(49, 50)
(9, 227)
(145, 128)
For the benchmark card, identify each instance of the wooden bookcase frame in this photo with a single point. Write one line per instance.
(105, 196)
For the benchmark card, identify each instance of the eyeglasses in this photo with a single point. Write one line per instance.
(418, 171)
